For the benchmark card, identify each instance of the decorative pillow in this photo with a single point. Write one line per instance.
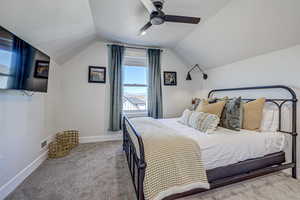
(204, 122)
(215, 100)
(253, 114)
(270, 118)
(195, 103)
(184, 119)
(231, 116)
(213, 108)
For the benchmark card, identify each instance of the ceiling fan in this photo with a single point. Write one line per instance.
(157, 16)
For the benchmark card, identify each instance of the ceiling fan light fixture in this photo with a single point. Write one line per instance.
(157, 21)
(143, 33)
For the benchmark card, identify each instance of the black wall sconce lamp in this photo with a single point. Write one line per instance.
(189, 78)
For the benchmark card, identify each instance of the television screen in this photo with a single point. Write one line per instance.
(22, 67)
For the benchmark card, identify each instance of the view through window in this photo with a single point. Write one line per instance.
(135, 89)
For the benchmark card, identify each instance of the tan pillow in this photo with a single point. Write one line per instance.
(213, 108)
(201, 104)
(253, 114)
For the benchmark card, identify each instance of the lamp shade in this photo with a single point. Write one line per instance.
(188, 77)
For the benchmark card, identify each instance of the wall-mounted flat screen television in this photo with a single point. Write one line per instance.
(22, 67)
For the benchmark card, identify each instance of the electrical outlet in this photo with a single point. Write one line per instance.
(44, 143)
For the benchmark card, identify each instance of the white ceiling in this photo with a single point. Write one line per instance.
(230, 30)
(120, 20)
(241, 30)
(59, 27)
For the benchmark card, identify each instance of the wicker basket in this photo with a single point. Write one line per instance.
(69, 139)
(57, 150)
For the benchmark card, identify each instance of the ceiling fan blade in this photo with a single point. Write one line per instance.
(182, 19)
(149, 5)
(143, 30)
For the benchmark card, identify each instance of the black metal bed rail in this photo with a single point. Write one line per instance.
(279, 103)
(134, 150)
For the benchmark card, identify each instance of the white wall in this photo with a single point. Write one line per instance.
(25, 122)
(279, 67)
(85, 105)
(176, 99)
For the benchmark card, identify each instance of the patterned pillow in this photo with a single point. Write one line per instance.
(232, 114)
(204, 122)
(184, 119)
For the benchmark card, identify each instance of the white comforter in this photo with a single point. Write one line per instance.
(224, 147)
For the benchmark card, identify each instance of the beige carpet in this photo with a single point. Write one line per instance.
(99, 172)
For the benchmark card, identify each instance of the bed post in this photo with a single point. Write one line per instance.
(294, 139)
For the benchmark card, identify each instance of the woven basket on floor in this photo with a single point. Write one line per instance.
(57, 150)
(69, 139)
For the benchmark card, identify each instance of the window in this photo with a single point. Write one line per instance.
(135, 83)
(5, 60)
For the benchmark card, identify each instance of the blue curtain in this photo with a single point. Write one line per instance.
(115, 60)
(19, 62)
(155, 108)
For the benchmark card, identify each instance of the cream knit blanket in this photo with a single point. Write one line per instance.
(174, 162)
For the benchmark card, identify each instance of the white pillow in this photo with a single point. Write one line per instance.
(184, 119)
(270, 118)
(204, 122)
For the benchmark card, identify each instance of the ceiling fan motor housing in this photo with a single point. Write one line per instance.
(157, 17)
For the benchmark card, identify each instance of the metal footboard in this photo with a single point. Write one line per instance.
(134, 149)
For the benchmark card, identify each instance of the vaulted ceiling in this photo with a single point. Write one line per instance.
(230, 30)
(121, 20)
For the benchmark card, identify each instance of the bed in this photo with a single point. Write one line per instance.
(224, 164)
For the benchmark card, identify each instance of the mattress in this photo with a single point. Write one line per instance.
(226, 147)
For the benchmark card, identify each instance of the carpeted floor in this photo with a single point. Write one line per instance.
(99, 172)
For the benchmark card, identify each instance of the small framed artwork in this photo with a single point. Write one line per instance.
(170, 78)
(41, 69)
(97, 74)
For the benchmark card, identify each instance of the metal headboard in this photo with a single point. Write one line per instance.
(279, 103)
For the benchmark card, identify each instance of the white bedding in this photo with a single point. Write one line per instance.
(224, 147)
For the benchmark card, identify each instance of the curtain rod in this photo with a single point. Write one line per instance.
(132, 47)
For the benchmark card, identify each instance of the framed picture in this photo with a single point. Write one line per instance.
(41, 69)
(97, 74)
(170, 78)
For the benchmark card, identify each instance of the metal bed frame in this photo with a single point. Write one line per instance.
(134, 148)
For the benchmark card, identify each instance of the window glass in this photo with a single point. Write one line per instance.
(135, 88)
(135, 75)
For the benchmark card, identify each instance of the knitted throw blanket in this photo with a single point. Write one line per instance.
(174, 162)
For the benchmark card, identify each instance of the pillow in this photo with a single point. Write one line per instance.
(253, 114)
(213, 108)
(195, 103)
(270, 118)
(204, 122)
(232, 114)
(215, 100)
(184, 119)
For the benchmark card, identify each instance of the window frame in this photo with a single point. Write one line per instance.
(136, 113)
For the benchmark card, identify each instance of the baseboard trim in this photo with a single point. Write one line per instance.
(13, 183)
(103, 138)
